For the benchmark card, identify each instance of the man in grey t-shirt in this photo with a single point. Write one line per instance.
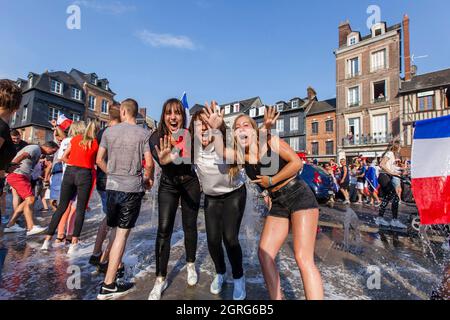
(124, 145)
(20, 181)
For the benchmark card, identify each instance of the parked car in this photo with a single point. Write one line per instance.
(320, 182)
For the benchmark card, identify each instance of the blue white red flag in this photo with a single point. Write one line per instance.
(185, 103)
(430, 170)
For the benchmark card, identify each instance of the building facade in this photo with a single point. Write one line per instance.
(233, 109)
(98, 96)
(367, 85)
(290, 126)
(45, 97)
(321, 130)
(422, 97)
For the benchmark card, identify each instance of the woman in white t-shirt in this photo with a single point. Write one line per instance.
(389, 170)
(225, 198)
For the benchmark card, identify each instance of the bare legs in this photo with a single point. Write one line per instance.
(116, 254)
(27, 208)
(276, 230)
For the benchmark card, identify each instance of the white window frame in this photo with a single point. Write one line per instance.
(352, 104)
(76, 94)
(76, 117)
(55, 85)
(227, 109)
(294, 143)
(54, 113)
(377, 67)
(24, 113)
(103, 105)
(261, 110)
(349, 66)
(293, 123)
(280, 125)
(280, 107)
(253, 112)
(236, 108)
(295, 104)
(92, 102)
(14, 118)
(386, 89)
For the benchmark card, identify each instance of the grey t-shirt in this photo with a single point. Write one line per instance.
(125, 144)
(27, 165)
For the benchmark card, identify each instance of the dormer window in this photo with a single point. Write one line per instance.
(94, 79)
(378, 29)
(107, 86)
(236, 108)
(262, 110)
(30, 81)
(227, 109)
(56, 87)
(253, 113)
(280, 107)
(295, 104)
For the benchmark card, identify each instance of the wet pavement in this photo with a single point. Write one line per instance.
(351, 253)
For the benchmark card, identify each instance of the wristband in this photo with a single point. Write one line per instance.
(270, 182)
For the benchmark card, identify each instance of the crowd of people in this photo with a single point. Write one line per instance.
(119, 162)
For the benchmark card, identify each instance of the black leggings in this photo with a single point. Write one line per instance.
(223, 217)
(170, 191)
(389, 195)
(77, 181)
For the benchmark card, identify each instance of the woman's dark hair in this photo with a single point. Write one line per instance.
(162, 128)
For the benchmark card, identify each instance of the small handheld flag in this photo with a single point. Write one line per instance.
(185, 104)
(63, 122)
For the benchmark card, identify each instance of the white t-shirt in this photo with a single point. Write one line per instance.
(390, 163)
(213, 173)
(62, 148)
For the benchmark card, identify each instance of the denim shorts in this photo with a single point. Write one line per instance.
(295, 196)
(396, 182)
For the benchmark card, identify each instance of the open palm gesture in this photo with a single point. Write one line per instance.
(164, 151)
(270, 118)
(213, 115)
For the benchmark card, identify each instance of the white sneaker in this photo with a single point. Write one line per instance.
(46, 246)
(35, 230)
(395, 223)
(192, 277)
(158, 289)
(380, 221)
(14, 229)
(239, 292)
(217, 284)
(73, 248)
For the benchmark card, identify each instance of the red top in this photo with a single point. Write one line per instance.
(82, 157)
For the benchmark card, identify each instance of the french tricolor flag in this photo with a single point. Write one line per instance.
(63, 122)
(430, 170)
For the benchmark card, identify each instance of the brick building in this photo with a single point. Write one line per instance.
(321, 130)
(368, 72)
(98, 96)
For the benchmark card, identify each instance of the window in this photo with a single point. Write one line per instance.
(30, 82)
(253, 113)
(227, 109)
(380, 128)
(94, 79)
(103, 124)
(104, 106)
(280, 107)
(426, 103)
(236, 108)
(315, 128)
(315, 148)
(53, 114)
(280, 125)
(295, 104)
(353, 97)
(76, 117)
(91, 102)
(294, 124)
(379, 91)
(295, 143)
(329, 125)
(352, 41)
(13, 119)
(329, 147)
(25, 113)
(76, 94)
(378, 32)
(354, 130)
(353, 67)
(107, 86)
(447, 97)
(262, 110)
(56, 87)
(378, 60)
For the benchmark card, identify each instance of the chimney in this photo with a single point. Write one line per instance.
(407, 48)
(344, 31)
(311, 93)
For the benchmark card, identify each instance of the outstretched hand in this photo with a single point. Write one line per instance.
(213, 116)
(164, 151)
(270, 118)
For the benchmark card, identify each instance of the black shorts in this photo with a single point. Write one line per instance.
(123, 209)
(295, 196)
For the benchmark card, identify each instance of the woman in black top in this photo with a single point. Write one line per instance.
(274, 167)
(178, 182)
(10, 99)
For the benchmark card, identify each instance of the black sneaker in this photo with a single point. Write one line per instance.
(115, 290)
(103, 268)
(95, 260)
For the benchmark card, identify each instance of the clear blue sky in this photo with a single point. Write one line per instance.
(212, 49)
